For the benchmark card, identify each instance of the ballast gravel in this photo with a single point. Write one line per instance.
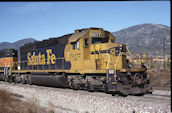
(70, 101)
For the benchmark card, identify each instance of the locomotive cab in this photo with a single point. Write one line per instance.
(94, 49)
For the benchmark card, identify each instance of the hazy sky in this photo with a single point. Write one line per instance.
(42, 20)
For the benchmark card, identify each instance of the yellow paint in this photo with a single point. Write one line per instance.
(114, 82)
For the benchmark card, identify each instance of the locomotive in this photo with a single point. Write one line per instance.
(88, 59)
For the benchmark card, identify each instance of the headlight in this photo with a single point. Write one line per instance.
(18, 67)
(143, 65)
(129, 65)
(120, 47)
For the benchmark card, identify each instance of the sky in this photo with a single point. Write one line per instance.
(43, 20)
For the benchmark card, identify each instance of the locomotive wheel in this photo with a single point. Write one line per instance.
(23, 81)
(6, 79)
(123, 94)
(115, 94)
(15, 81)
(90, 86)
(73, 86)
(29, 80)
(10, 79)
(105, 87)
(137, 78)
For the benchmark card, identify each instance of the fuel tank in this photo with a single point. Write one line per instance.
(47, 79)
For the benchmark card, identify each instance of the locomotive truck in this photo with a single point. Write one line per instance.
(88, 59)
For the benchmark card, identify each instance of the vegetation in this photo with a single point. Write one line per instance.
(12, 103)
(158, 75)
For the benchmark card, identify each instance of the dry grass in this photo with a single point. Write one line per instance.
(11, 103)
(160, 78)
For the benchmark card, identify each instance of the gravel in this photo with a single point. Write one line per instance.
(71, 101)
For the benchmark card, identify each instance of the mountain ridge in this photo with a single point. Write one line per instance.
(147, 38)
(139, 38)
(17, 44)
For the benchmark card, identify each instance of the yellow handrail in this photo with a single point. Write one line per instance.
(129, 51)
(116, 64)
(137, 58)
(132, 56)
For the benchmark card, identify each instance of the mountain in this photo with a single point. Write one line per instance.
(16, 45)
(140, 38)
(147, 38)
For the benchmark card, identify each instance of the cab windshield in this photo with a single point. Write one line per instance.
(99, 40)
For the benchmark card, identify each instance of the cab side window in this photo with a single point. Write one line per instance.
(86, 42)
(75, 45)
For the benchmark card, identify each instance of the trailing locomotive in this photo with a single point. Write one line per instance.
(86, 59)
(7, 57)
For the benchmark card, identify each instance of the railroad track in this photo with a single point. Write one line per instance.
(158, 96)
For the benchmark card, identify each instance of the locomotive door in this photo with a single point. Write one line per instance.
(86, 49)
(111, 80)
(76, 56)
(75, 53)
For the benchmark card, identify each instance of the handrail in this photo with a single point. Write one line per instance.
(138, 58)
(107, 67)
(132, 56)
(129, 51)
(116, 64)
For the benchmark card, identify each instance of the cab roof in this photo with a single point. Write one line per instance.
(77, 36)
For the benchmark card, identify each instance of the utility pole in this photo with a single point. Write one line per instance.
(164, 52)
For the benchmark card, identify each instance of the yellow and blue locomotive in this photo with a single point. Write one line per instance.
(86, 59)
